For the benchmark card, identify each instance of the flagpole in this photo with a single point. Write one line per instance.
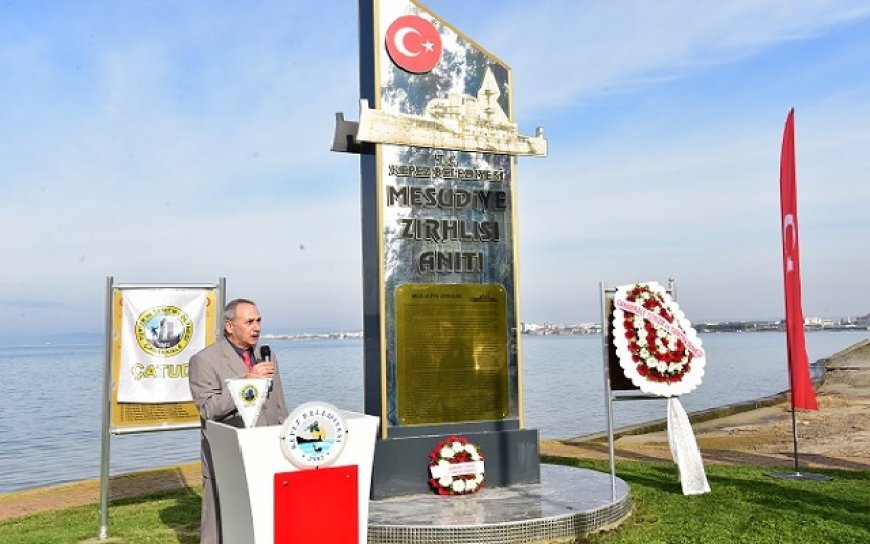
(800, 383)
(797, 470)
(797, 474)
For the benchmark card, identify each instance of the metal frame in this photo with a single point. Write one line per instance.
(105, 448)
(608, 393)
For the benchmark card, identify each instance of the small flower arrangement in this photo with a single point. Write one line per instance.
(456, 467)
(657, 347)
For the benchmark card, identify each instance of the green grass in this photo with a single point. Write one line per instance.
(744, 507)
(167, 517)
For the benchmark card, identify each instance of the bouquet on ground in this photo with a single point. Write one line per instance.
(456, 467)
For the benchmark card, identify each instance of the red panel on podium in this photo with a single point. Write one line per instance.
(317, 505)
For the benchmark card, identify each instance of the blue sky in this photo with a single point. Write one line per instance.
(171, 141)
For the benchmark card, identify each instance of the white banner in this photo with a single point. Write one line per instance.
(249, 396)
(684, 450)
(161, 329)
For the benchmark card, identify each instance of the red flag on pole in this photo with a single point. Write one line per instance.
(803, 395)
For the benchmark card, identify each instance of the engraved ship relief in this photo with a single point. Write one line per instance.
(458, 122)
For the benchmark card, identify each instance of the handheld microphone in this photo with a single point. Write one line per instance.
(266, 354)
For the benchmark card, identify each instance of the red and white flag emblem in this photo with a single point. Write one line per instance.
(414, 44)
(803, 394)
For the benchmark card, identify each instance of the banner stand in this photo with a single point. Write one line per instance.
(614, 379)
(107, 408)
(160, 416)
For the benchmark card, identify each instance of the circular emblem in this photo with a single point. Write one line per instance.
(249, 394)
(414, 44)
(313, 435)
(163, 331)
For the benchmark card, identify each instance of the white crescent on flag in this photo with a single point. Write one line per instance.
(789, 235)
(399, 41)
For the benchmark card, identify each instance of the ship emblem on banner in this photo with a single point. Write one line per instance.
(249, 396)
(163, 331)
(313, 435)
(160, 330)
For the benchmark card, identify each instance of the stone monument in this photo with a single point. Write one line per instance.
(438, 150)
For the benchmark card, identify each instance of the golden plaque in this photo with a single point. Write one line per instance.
(451, 353)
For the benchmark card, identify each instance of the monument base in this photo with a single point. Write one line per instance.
(401, 464)
(568, 504)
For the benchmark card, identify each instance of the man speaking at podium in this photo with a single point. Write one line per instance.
(233, 356)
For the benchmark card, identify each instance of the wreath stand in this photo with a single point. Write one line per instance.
(618, 387)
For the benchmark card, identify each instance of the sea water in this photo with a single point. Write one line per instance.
(51, 395)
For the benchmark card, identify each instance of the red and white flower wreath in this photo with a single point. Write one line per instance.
(456, 467)
(657, 347)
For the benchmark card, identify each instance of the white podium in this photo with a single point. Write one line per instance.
(245, 463)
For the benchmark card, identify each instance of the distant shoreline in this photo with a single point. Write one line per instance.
(97, 339)
(812, 324)
(582, 330)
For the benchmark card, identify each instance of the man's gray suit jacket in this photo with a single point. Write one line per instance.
(208, 372)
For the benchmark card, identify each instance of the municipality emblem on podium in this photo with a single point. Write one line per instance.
(313, 435)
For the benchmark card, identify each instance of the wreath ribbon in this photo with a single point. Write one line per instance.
(657, 347)
(661, 322)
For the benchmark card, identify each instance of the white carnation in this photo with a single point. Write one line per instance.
(445, 481)
(457, 447)
(446, 452)
(458, 486)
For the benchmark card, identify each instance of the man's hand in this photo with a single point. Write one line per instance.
(263, 369)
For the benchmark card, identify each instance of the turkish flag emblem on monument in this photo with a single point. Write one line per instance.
(414, 44)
